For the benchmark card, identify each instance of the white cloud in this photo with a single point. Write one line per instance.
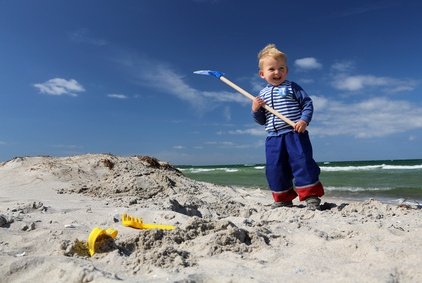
(353, 83)
(220, 143)
(308, 63)
(58, 86)
(343, 66)
(256, 83)
(374, 117)
(409, 86)
(179, 147)
(358, 82)
(342, 79)
(117, 96)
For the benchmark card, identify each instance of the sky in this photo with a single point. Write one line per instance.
(116, 76)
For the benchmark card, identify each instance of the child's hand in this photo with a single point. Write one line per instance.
(300, 126)
(257, 103)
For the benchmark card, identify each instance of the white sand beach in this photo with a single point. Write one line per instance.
(49, 205)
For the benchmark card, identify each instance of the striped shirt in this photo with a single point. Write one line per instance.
(288, 99)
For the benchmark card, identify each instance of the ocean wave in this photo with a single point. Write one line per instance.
(356, 189)
(350, 168)
(370, 167)
(402, 167)
(205, 170)
(390, 193)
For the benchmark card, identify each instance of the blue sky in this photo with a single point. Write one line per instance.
(116, 77)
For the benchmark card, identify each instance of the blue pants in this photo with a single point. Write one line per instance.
(289, 160)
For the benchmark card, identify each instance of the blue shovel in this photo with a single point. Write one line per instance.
(220, 76)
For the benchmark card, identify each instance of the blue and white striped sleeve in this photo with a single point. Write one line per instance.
(304, 101)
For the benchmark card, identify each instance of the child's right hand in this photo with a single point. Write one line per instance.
(257, 103)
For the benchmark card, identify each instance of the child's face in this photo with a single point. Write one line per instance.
(274, 71)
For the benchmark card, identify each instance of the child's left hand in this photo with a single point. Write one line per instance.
(300, 126)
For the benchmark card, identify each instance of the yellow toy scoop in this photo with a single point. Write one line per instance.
(138, 223)
(98, 233)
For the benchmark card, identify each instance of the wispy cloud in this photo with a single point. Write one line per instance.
(358, 82)
(227, 113)
(232, 145)
(256, 83)
(117, 96)
(365, 8)
(343, 66)
(344, 77)
(374, 117)
(308, 63)
(179, 147)
(254, 131)
(353, 83)
(59, 86)
(161, 76)
(67, 146)
(84, 36)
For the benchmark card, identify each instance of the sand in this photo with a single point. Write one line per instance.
(49, 205)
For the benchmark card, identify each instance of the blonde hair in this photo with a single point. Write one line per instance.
(272, 51)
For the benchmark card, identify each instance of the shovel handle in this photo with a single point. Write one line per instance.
(251, 97)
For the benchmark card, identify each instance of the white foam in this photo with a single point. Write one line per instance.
(350, 168)
(355, 189)
(370, 167)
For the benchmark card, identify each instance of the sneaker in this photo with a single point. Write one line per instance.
(312, 203)
(278, 204)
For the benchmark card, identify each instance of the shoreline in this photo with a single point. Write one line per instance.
(393, 183)
(223, 233)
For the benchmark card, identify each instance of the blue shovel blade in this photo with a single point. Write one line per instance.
(216, 74)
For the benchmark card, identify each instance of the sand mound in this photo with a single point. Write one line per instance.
(49, 205)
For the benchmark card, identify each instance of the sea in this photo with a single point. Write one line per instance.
(390, 181)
